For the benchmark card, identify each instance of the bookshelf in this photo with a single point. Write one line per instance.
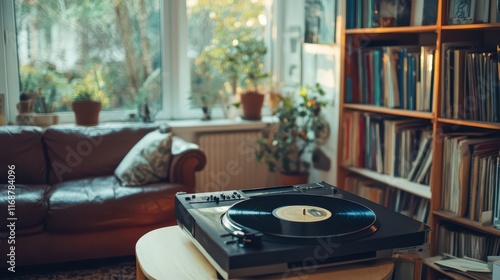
(356, 42)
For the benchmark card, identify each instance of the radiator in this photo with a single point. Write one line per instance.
(231, 163)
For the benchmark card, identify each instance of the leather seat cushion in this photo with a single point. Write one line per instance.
(102, 203)
(22, 146)
(30, 208)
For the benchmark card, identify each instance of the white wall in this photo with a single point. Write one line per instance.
(321, 64)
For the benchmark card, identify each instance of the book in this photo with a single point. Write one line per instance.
(417, 13)
(430, 14)
(462, 11)
(494, 11)
(496, 197)
(482, 12)
(350, 21)
(403, 12)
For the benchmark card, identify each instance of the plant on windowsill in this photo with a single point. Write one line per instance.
(252, 52)
(88, 100)
(207, 88)
(39, 94)
(283, 145)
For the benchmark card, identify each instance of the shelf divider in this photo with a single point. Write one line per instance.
(399, 183)
(389, 111)
(466, 222)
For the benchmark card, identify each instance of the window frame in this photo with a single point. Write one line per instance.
(174, 63)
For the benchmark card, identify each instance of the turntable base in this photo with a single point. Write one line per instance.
(168, 253)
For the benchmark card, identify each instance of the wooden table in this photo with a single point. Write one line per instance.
(168, 253)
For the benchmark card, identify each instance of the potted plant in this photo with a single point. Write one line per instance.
(44, 109)
(39, 94)
(88, 99)
(207, 88)
(252, 53)
(283, 145)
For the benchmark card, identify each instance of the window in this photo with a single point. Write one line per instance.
(134, 51)
(216, 27)
(112, 45)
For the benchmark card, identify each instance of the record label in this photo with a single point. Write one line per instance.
(302, 213)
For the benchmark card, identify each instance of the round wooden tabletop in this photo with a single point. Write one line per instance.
(168, 253)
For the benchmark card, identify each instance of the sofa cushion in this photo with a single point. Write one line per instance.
(148, 161)
(102, 203)
(82, 152)
(22, 147)
(30, 208)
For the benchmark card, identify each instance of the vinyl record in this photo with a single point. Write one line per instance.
(301, 216)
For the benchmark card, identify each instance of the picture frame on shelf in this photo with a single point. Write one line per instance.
(462, 11)
(320, 17)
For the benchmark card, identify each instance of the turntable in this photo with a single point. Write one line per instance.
(293, 229)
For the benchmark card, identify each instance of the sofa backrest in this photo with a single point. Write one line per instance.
(81, 152)
(22, 147)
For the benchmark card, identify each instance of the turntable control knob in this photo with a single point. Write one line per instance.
(239, 196)
(193, 196)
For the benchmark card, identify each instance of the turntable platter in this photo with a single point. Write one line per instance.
(301, 216)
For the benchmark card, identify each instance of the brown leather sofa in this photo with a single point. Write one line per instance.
(69, 205)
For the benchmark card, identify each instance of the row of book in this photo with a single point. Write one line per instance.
(394, 146)
(461, 243)
(394, 199)
(380, 13)
(471, 87)
(394, 77)
(474, 11)
(471, 176)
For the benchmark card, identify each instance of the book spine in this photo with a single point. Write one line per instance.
(411, 82)
(359, 13)
(377, 78)
(350, 14)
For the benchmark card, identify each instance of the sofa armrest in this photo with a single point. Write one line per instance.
(187, 159)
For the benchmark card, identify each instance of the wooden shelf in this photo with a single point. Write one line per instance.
(399, 183)
(434, 35)
(471, 26)
(449, 216)
(389, 111)
(487, 125)
(453, 275)
(397, 29)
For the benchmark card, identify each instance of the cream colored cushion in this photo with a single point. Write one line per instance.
(148, 161)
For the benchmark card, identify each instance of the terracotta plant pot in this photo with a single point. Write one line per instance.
(251, 103)
(25, 107)
(86, 112)
(293, 179)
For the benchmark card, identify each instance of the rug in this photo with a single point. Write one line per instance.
(77, 271)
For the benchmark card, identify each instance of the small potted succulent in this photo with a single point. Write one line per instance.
(283, 145)
(39, 94)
